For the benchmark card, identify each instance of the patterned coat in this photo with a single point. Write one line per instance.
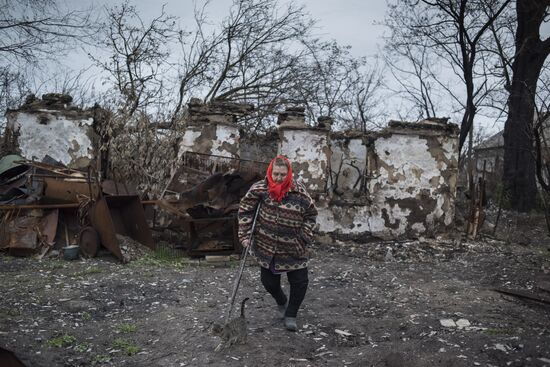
(284, 230)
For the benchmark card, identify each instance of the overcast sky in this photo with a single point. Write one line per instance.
(350, 22)
(356, 23)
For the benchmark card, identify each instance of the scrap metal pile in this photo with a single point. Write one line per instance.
(47, 208)
(209, 189)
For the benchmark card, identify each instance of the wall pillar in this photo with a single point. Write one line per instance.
(306, 147)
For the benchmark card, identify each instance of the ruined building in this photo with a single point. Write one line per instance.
(398, 182)
(52, 127)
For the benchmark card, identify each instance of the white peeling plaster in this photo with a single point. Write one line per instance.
(360, 219)
(411, 169)
(450, 148)
(418, 227)
(432, 218)
(225, 135)
(348, 220)
(407, 155)
(65, 140)
(305, 146)
(188, 140)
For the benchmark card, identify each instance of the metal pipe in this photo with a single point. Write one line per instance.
(243, 262)
(39, 206)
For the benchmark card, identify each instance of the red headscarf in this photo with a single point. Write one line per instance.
(278, 190)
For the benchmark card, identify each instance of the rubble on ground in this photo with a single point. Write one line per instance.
(360, 310)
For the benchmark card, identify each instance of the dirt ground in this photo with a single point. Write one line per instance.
(372, 304)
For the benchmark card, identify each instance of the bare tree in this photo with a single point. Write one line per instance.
(261, 53)
(139, 52)
(255, 30)
(411, 68)
(530, 56)
(39, 29)
(13, 88)
(456, 32)
(330, 74)
(248, 58)
(367, 109)
(332, 82)
(32, 32)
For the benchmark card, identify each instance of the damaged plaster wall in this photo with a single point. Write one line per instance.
(410, 173)
(307, 150)
(212, 129)
(211, 132)
(54, 129)
(306, 147)
(227, 141)
(214, 138)
(416, 170)
(353, 220)
(395, 183)
(346, 210)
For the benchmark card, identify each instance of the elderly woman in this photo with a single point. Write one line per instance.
(283, 233)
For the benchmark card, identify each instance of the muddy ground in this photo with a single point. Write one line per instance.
(373, 304)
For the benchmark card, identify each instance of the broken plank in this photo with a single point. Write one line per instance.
(544, 285)
(163, 204)
(542, 282)
(39, 206)
(523, 294)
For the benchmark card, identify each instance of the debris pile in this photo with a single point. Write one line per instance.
(206, 211)
(47, 206)
(131, 249)
(423, 249)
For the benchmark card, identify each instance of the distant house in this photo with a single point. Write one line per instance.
(489, 156)
(489, 159)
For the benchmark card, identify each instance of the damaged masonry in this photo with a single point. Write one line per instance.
(364, 184)
(391, 282)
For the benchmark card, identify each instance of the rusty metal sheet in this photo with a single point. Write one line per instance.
(116, 188)
(123, 215)
(20, 237)
(48, 227)
(46, 232)
(57, 170)
(65, 191)
(103, 222)
(129, 218)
